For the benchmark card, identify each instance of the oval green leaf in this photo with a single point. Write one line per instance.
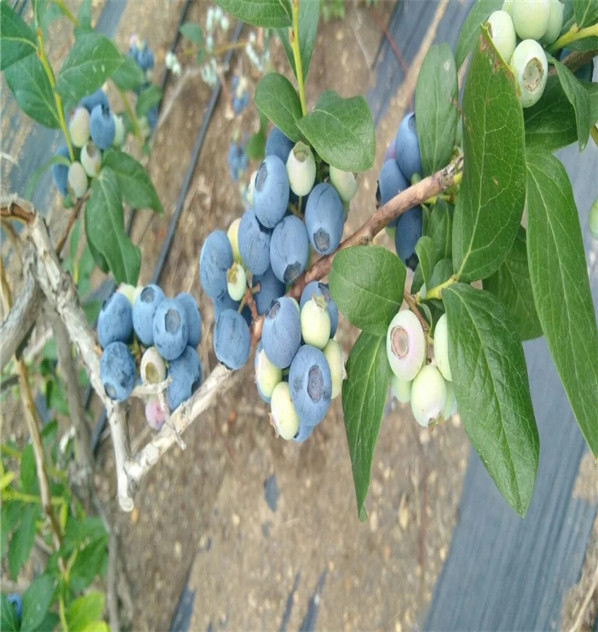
(272, 14)
(276, 98)
(17, 40)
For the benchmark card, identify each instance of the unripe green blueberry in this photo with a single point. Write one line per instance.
(79, 126)
(283, 416)
(334, 355)
(530, 18)
(129, 291)
(593, 219)
(236, 281)
(91, 159)
(502, 33)
(233, 237)
(344, 182)
(405, 345)
(441, 348)
(267, 376)
(77, 180)
(401, 389)
(450, 408)
(555, 22)
(530, 68)
(301, 169)
(315, 322)
(508, 6)
(119, 131)
(428, 395)
(152, 368)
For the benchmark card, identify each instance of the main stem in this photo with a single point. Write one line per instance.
(294, 37)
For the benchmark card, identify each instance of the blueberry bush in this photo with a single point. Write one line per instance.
(488, 243)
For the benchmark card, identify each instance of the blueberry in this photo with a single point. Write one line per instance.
(254, 243)
(224, 302)
(97, 98)
(271, 192)
(233, 236)
(321, 289)
(324, 218)
(236, 281)
(409, 230)
(390, 182)
(530, 68)
(170, 329)
(405, 345)
(193, 317)
(304, 432)
(310, 382)
(344, 182)
(117, 371)
(283, 416)
(101, 126)
(79, 126)
(144, 309)
(154, 414)
(60, 172)
(334, 355)
(401, 389)
(145, 58)
(152, 368)
(441, 348)
(17, 604)
(531, 18)
(186, 376)
(115, 321)
(215, 259)
(270, 289)
(76, 182)
(301, 169)
(502, 33)
(428, 395)
(315, 323)
(91, 159)
(267, 376)
(391, 151)
(277, 144)
(289, 249)
(407, 147)
(232, 339)
(281, 332)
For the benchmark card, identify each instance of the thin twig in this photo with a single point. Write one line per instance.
(586, 602)
(72, 219)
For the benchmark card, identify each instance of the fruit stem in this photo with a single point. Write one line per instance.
(294, 39)
(411, 303)
(436, 292)
(132, 116)
(41, 54)
(573, 35)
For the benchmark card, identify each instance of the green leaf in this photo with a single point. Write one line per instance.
(36, 601)
(129, 76)
(366, 283)
(147, 99)
(492, 390)
(12, 512)
(511, 284)
(470, 30)
(104, 228)
(586, 12)
(256, 146)
(97, 626)
(85, 610)
(267, 13)
(578, 96)
(84, 15)
(439, 228)
(341, 131)
(28, 472)
(22, 540)
(193, 32)
(442, 272)
(92, 60)
(560, 286)
(32, 91)
(8, 615)
(436, 109)
(90, 563)
(17, 40)
(276, 98)
(426, 253)
(308, 26)
(135, 184)
(50, 621)
(490, 203)
(364, 394)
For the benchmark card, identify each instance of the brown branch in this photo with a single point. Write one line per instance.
(72, 219)
(17, 209)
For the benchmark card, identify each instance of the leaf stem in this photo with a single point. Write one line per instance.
(436, 292)
(573, 35)
(294, 39)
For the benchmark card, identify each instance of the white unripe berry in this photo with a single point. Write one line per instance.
(267, 376)
(502, 33)
(236, 281)
(119, 131)
(283, 416)
(315, 322)
(152, 368)
(428, 395)
(441, 347)
(344, 182)
(77, 180)
(79, 126)
(334, 355)
(530, 68)
(405, 345)
(530, 18)
(91, 159)
(301, 169)
(233, 237)
(450, 408)
(401, 389)
(555, 22)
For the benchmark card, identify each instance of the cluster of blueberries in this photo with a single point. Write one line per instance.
(402, 162)
(236, 159)
(143, 56)
(168, 330)
(93, 128)
(240, 94)
(265, 251)
(428, 386)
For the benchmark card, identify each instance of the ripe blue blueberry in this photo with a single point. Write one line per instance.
(186, 376)
(407, 147)
(318, 288)
(152, 118)
(17, 603)
(97, 98)
(254, 243)
(215, 259)
(170, 329)
(281, 332)
(310, 382)
(304, 431)
(270, 289)
(271, 192)
(115, 321)
(101, 126)
(117, 371)
(324, 218)
(289, 249)
(144, 309)
(145, 58)
(193, 317)
(232, 339)
(277, 144)
(409, 230)
(60, 172)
